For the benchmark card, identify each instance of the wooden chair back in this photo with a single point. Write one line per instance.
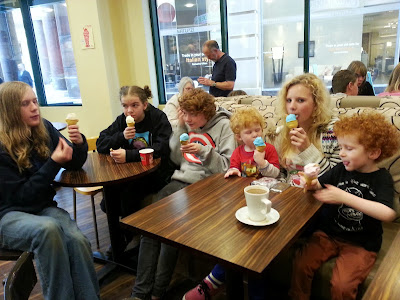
(92, 143)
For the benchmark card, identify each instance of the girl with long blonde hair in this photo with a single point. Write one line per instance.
(313, 141)
(32, 152)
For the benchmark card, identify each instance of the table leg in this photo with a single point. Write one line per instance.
(234, 285)
(113, 223)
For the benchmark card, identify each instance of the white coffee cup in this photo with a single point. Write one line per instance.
(258, 205)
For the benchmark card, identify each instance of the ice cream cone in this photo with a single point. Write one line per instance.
(71, 122)
(308, 181)
(260, 148)
(292, 124)
(130, 122)
(184, 143)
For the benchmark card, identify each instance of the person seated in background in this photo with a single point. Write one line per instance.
(32, 152)
(345, 81)
(364, 87)
(24, 75)
(393, 88)
(172, 107)
(209, 148)
(248, 161)
(237, 93)
(357, 197)
(150, 129)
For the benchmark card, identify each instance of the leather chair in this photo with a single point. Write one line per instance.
(22, 279)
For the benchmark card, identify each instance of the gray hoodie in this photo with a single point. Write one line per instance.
(218, 143)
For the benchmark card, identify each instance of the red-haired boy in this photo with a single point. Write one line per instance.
(357, 196)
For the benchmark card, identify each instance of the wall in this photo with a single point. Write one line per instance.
(119, 58)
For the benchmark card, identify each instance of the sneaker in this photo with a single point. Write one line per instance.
(203, 291)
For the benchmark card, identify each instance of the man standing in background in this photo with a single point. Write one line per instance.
(223, 76)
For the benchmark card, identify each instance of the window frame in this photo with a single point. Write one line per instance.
(24, 6)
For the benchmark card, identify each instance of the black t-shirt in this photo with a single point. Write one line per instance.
(224, 70)
(347, 223)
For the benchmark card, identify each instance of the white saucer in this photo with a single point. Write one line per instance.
(243, 216)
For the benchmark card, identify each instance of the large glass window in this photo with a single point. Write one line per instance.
(40, 55)
(344, 31)
(184, 27)
(283, 36)
(266, 39)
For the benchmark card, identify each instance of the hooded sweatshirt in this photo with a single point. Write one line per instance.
(218, 143)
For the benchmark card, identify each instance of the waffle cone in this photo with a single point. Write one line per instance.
(260, 148)
(130, 124)
(71, 122)
(184, 143)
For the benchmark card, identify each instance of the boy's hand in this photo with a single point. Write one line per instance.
(119, 155)
(330, 195)
(129, 133)
(299, 139)
(62, 153)
(259, 158)
(74, 135)
(233, 171)
(191, 148)
(312, 187)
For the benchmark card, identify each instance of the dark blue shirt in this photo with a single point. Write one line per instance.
(224, 70)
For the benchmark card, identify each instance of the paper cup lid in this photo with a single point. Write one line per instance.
(145, 151)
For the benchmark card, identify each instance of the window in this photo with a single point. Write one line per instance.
(266, 39)
(183, 28)
(355, 30)
(36, 48)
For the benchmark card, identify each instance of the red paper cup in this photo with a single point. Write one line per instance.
(146, 156)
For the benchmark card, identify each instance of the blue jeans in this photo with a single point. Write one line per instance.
(156, 260)
(62, 253)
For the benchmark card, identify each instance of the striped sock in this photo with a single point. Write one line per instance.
(214, 281)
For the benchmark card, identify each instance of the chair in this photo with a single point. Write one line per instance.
(21, 280)
(91, 191)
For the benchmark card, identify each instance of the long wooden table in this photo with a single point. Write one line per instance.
(386, 283)
(102, 170)
(201, 218)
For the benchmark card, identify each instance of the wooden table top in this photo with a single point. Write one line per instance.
(101, 169)
(386, 283)
(201, 218)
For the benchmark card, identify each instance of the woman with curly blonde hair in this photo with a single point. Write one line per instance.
(313, 141)
(32, 152)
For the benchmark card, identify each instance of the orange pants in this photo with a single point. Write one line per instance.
(353, 265)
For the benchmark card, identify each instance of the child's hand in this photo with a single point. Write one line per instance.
(191, 148)
(74, 135)
(119, 155)
(299, 139)
(330, 195)
(233, 171)
(259, 158)
(62, 153)
(129, 133)
(312, 187)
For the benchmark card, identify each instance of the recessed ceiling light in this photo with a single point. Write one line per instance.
(189, 5)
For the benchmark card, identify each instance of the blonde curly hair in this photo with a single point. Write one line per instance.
(321, 115)
(373, 132)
